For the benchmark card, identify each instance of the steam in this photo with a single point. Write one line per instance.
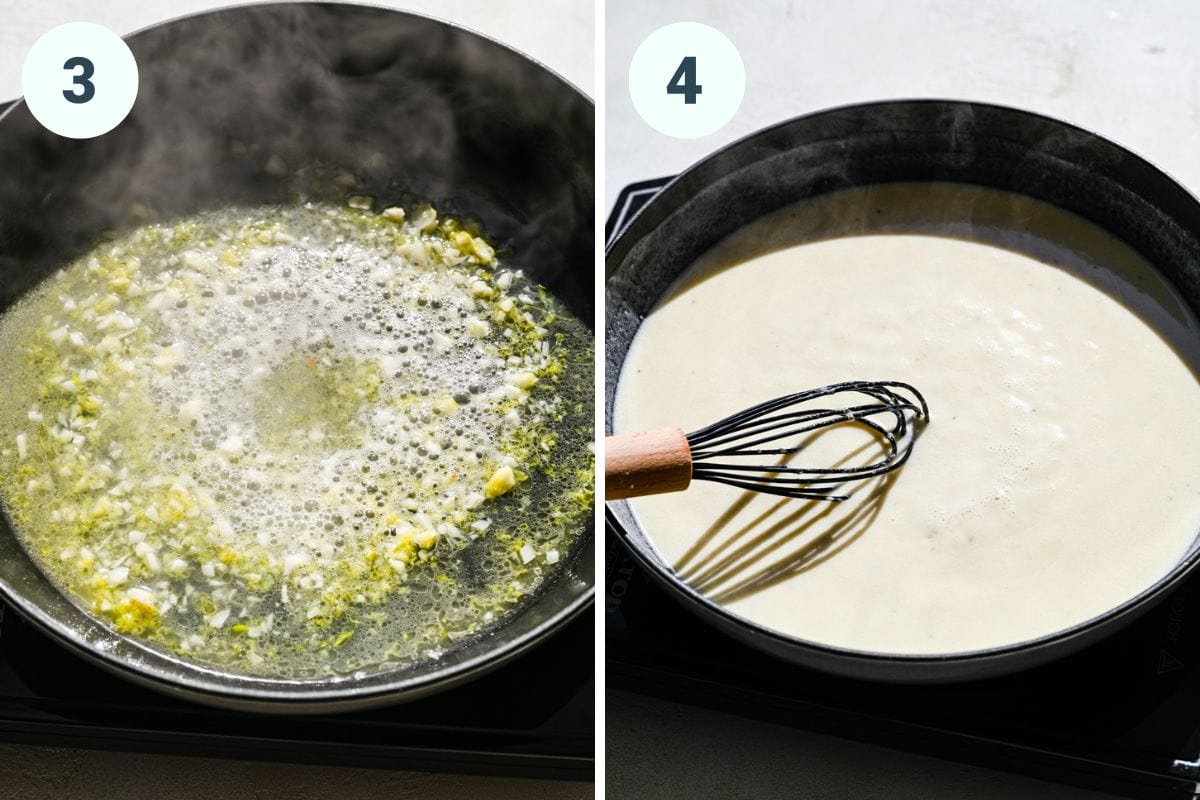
(238, 105)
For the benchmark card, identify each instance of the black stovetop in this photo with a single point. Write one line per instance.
(1122, 716)
(531, 718)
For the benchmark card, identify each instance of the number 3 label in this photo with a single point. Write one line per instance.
(667, 67)
(79, 80)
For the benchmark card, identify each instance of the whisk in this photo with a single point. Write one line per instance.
(730, 451)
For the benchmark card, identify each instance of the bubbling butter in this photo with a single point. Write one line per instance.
(296, 441)
(1058, 478)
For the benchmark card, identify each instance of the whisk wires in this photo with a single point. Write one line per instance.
(731, 451)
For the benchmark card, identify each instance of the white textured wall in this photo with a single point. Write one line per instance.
(1127, 69)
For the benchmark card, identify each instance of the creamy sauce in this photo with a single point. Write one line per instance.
(1059, 476)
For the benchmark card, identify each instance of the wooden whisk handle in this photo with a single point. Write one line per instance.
(651, 462)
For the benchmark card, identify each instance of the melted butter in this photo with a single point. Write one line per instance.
(263, 438)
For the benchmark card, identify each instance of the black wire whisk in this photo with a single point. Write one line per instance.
(733, 450)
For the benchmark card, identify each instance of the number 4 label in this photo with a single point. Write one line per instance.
(665, 80)
(684, 81)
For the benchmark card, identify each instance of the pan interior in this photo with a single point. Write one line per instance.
(348, 487)
(877, 144)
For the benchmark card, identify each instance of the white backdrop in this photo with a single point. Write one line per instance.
(1126, 69)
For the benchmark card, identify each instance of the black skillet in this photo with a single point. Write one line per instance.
(879, 143)
(418, 109)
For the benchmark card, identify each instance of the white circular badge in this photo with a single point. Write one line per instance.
(80, 80)
(687, 80)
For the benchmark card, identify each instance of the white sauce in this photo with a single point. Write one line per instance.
(1057, 479)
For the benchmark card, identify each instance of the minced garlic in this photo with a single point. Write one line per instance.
(248, 435)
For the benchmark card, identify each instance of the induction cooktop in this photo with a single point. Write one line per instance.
(533, 717)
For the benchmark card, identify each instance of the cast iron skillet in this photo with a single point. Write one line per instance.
(420, 109)
(878, 143)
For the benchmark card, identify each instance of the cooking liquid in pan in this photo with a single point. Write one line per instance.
(1059, 475)
(296, 441)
